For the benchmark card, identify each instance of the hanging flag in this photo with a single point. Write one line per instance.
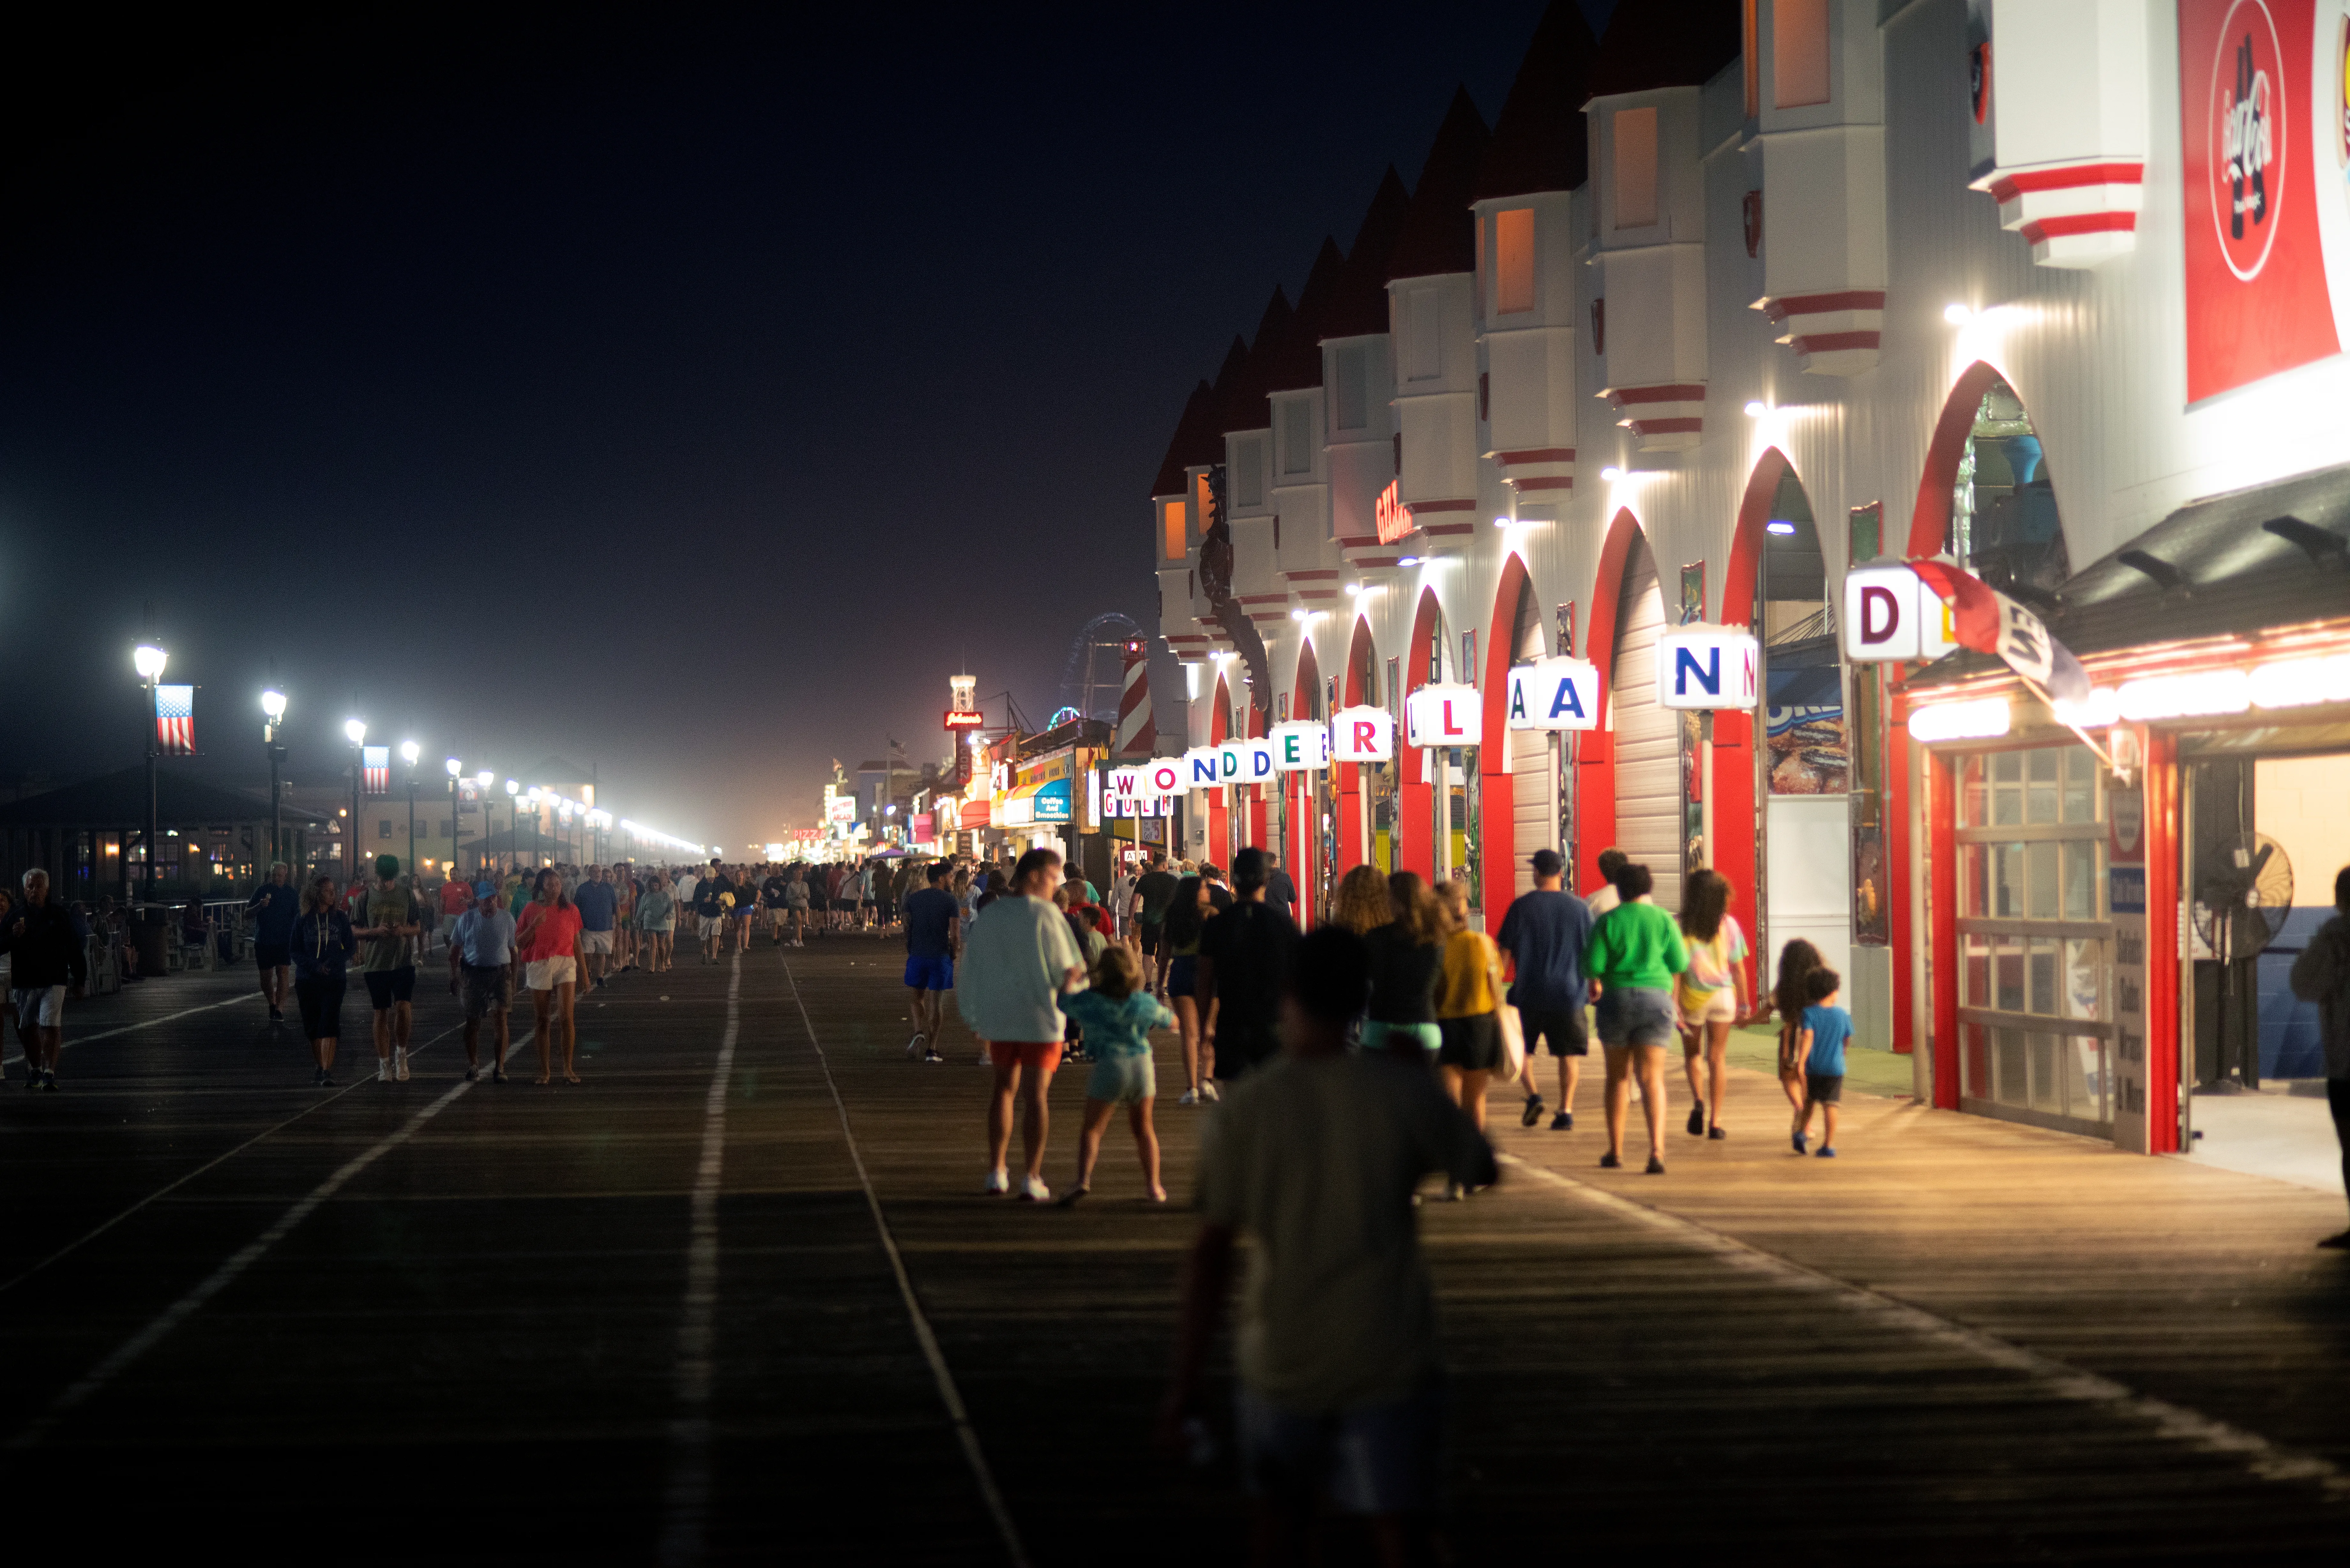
(1983, 619)
(375, 762)
(175, 720)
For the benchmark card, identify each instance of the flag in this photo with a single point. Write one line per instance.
(175, 720)
(376, 765)
(1983, 619)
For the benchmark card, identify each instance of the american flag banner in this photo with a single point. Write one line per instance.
(376, 762)
(175, 720)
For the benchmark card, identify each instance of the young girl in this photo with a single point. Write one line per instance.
(323, 945)
(1118, 1016)
(1796, 962)
(1468, 1009)
(1711, 994)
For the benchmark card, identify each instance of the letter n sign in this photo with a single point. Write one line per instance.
(1701, 667)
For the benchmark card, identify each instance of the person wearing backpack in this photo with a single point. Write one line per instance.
(2321, 975)
(1245, 954)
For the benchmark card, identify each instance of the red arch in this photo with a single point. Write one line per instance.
(1594, 773)
(1498, 792)
(1220, 831)
(1929, 518)
(1354, 826)
(1731, 850)
(1415, 791)
(1298, 844)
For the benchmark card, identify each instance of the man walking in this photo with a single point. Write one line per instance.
(1542, 937)
(273, 906)
(933, 936)
(389, 967)
(1020, 959)
(47, 961)
(1244, 959)
(710, 905)
(1154, 890)
(1280, 892)
(481, 974)
(598, 903)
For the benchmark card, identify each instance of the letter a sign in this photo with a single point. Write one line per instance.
(1702, 666)
(1555, 694)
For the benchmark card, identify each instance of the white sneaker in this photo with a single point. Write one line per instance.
(400, 1068)
(1034, 1191)
(914, 1047)
(1208, 1090)
(997, 1183)
(382, 1070)
(1189, 1098)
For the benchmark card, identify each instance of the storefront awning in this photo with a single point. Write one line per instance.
(2234, 564)
(975, 814)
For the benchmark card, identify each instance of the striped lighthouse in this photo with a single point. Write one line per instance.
(1137, 736)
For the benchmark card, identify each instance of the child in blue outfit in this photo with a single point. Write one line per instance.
(1118, 1016)
(1819, 1056)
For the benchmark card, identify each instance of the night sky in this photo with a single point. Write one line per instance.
(688, 399)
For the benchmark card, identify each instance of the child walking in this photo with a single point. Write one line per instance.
(1819, 1051)
(1797, 960)
(1118, 1016)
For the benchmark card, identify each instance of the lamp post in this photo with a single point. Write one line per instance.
(456, 825)
(148, 660)
(273, 707)
(357, 730)
(409, 751)
(513, 820)
(537, 830)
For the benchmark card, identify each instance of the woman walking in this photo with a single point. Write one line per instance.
(657, 923)
(1636, 951)
(548, 938)
(1711, 995)
(1194, 1016)
(1468, 1009)
(1406, 955)
(1796, 962)
(1362, 903)
(323, 945)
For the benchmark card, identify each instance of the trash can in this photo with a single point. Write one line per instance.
(151, 933)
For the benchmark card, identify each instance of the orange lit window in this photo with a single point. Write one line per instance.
(1749, 42)
(1636, 168)
(1799, 53)
(1513, 264)
(1174, 522)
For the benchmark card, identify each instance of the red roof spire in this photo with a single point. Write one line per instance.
(1665, 43)
(1438, 235)
(1196, 408)
(1541, 142)
(1298, 362)
(1358, 304)
(1242, 406)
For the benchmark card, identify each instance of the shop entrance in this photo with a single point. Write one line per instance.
(2266, 836)
(1647, 736)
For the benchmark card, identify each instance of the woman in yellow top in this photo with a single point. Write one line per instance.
(1468, 1004)
(1710, 996)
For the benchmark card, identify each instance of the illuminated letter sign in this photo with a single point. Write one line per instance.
(1362, 735)
(1393, 516)
(1555, 694)
(1891, 616)
(1702, 667)
(1164, 777)
(1200, 769)
(1445, 715)
(1300, 744)
(960, 718)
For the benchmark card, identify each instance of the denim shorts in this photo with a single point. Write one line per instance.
(1382, 1458)
(1635, 1015)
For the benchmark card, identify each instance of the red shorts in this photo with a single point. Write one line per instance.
(1043, 1056)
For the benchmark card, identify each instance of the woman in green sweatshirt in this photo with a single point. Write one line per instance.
(1636, 949)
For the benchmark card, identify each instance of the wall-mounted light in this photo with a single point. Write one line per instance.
(1756, 408)
(1611, 474)
(1956, 315)
(1778, 525)
(1407, 560)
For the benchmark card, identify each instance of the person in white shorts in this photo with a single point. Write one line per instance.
(547, 937)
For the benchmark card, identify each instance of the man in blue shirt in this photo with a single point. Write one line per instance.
(599, 907)
(481, 973)
(934, 937)
(274, 907)
(1819, 1056)
(1543, 935)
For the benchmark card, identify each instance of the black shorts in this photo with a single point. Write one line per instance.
(1473, 1043)
(386, 986)
(267, 956)
(1560, 1029)
(321, 999)
(1823, 1088)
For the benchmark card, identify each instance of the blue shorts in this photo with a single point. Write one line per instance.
(1381, 1459)
(1180, 973)
(1122, 1080)
(1636, 1015)
(929, 973)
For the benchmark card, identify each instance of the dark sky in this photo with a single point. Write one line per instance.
(689, 398)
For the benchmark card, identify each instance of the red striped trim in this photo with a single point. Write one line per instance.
(2041, 229)
(1358, 541)
(1828, 342)
(1547, 481)
(1821, 304)
(1667, 427)
(1448, 528)
(1538, 454)
(1261, 599)
(1684, 393)
(2007, 187)
(1311, 573)
(1419, 506)
(1317, 592)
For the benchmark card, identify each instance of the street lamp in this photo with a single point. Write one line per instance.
(148, 660)
(513, 820)
(455, 824)
(273, 709)
(357, 730)
(409, 753)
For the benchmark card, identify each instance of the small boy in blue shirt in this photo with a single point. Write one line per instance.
(1819, 1056)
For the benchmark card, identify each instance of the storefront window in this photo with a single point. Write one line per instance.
(2033, 941)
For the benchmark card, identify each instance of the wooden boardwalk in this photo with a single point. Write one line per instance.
(425, 1318)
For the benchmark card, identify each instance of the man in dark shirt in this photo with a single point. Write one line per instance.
(1244, 962)
(710, 911)
(771, 894)
(933, 937)
(1541, 939)
(1280, 892)
(46, 960)
(1153, 891)
(274, 907)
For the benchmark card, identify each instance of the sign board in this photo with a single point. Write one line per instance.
(965, 718)
(841, 808)
(1202, 770)
(1446, 714)
(1554, 694)
(1362, 735)
(1245, 761)
(1708, 666)
(1394, 518)
(1890, 615)
(1162, 776)
(1300, 744)
(775, 852)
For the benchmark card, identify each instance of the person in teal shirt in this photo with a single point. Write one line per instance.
(1819, 1055)
(1635, 951)
(1117, 1016)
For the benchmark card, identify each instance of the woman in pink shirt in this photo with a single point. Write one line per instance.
(547, 941)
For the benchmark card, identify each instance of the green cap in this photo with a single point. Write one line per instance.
(387, 864)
